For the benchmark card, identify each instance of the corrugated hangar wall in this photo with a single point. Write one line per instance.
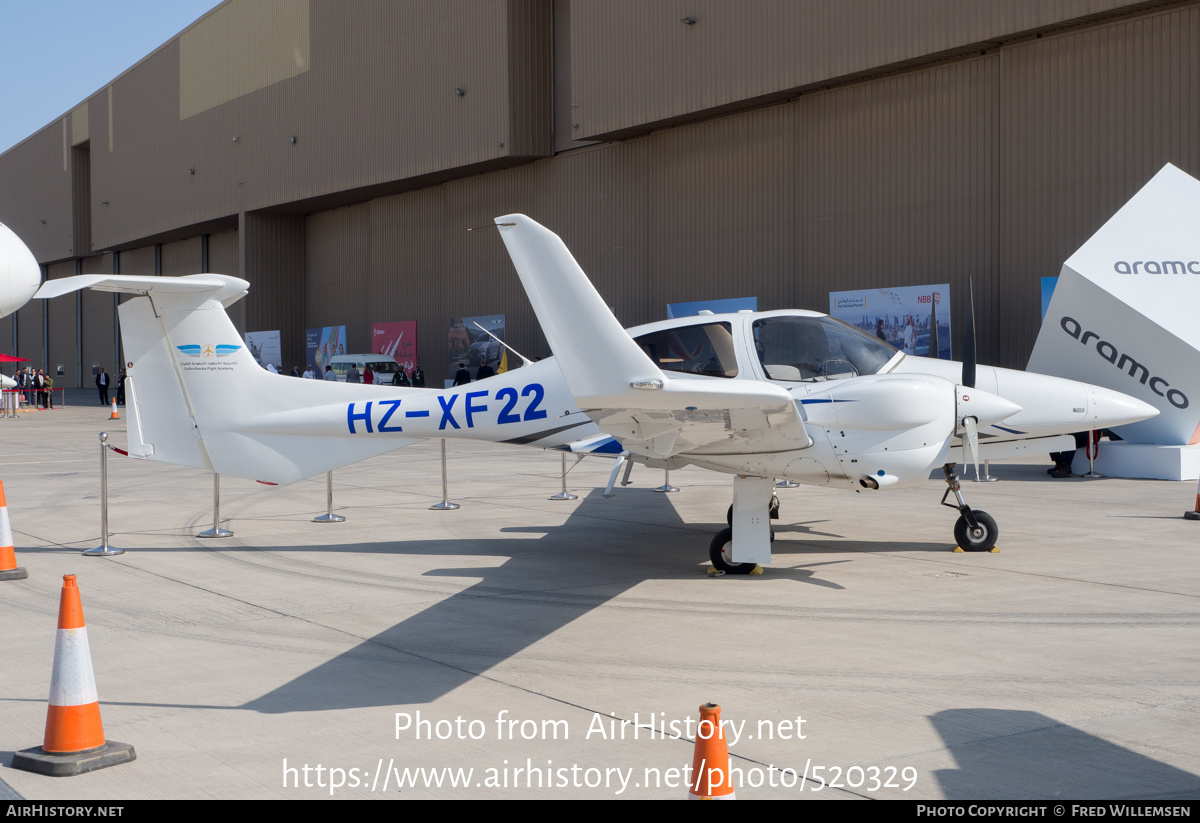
(875, 151)
(992, 168)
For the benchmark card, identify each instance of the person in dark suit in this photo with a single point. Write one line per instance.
(102, 385)
(462, 377)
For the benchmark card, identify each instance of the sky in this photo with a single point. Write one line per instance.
(56, 53)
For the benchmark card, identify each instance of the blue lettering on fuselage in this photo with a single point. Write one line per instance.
(378, 417)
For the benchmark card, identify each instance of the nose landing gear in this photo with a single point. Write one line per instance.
(974, 531)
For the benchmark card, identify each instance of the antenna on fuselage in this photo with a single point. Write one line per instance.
(525, 361)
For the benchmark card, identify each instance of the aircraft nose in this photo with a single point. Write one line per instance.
(1112, 408)
(20, 274)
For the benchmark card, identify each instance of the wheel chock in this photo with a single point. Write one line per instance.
(959, 550)
(994, 550)
(757, 570)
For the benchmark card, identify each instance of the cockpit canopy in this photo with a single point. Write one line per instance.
(817, 348)
(789, 347)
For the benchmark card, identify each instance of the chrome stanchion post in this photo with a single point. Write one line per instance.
(329, 516)
(445, 505)
(987, 477)
(103, 550)
(564, 494)
(216, 530)
(666, 486)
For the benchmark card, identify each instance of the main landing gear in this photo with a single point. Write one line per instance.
(754, 506)
(974, 531)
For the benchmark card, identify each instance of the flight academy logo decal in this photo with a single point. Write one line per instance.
(208, 350)
(208, 357)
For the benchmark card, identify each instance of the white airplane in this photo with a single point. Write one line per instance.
(762, 396)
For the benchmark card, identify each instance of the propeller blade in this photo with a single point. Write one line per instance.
(969, 357)
(972, 441)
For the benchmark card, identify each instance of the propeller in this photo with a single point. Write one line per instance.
(970, 424)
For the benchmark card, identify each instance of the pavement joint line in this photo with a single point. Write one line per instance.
(1037, 574)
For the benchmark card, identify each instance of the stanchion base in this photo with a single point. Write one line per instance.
(103, 551)
(218, 532)
(14, 574)
(444, 506)
(329, 518)
(1091, 476)
(65, 765)
(787, 484)
(987, 479)
(1192, 515)
(665, 488)
(563, 496)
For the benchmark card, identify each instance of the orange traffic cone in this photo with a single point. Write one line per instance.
(8, 555)
(711, 778)
(74, 741)
(1192, 515)
(114, 415)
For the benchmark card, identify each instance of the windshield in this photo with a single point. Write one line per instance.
(817, 348)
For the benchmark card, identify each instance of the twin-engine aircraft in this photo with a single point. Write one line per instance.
(762, 396)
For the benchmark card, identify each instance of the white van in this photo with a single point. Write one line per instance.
(383, 365)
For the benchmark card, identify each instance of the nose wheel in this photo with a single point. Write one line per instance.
(974, 531)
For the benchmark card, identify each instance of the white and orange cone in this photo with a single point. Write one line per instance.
(114, 415)
(1192, 515)
(711, 778)
(74, 741)
(8, 555)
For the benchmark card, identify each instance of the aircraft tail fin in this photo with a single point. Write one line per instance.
(197, 398)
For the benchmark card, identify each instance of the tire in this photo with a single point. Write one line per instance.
(717, 553)
(981, 543)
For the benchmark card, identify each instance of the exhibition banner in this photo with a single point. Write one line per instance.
(728, 306)
(264, 347)
(1123, 315)
(399, 340)
(914, 319)
(470, 344)
(322, 344)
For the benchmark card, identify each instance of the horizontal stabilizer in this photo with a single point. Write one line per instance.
(194, 289)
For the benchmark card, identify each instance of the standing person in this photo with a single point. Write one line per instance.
(352, 374)
(49, 392)
(102, 385)
(309, 373)
(418, 377)
(368, 376)
(462, 377)
(484, 371)
(271, 368)
(122, 376)
(295, 371)
(909, 336)
(400, 378)
(39, 383)
(329, 374)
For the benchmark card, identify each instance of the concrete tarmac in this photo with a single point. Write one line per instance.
(507, 649)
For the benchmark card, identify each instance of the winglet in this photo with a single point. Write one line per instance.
(598, 358)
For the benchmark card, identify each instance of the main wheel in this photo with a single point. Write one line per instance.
(978, 540)
(720, 550)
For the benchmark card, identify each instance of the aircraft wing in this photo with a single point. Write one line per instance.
(613, 381)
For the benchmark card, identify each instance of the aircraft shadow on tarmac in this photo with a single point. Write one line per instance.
(543, 585)
(1019, 755)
